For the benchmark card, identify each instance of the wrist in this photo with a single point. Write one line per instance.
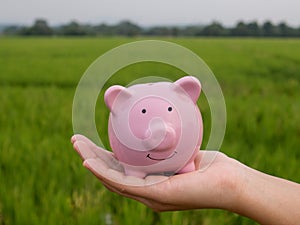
(228, 182)
(247, 194)
(232, 185)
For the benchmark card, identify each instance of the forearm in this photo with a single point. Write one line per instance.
(267, 199)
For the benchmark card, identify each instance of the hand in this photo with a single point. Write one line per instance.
(210, 188)
(222, 183)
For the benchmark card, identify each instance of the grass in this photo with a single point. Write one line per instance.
(42, 180)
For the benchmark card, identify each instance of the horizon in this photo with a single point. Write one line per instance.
(154, 13)
(7, 24)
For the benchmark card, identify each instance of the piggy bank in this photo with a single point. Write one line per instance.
(155, 128)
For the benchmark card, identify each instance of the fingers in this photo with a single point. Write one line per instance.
(105, 172)
(83, 146)
(79, 137)
(83, 150)
(87, 149)
(125, 185)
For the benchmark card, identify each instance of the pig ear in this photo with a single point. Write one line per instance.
(191, 86)
(112, 93)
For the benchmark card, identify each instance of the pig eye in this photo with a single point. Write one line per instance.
(143, 111)
(170, 109)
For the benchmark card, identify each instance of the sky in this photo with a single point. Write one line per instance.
(150, 12)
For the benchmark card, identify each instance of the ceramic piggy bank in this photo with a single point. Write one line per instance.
(155, 128)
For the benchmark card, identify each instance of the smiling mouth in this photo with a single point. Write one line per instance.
(157, 159)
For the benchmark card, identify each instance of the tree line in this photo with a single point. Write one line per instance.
(40, 27)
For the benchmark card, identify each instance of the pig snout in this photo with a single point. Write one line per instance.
(160, 138)
(168, 141)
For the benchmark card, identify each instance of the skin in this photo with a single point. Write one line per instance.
(226, 184)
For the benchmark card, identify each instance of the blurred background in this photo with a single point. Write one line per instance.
(252, 47)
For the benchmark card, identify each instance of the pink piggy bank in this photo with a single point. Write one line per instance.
(155, 128)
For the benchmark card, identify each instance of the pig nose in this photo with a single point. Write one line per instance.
(168, 140)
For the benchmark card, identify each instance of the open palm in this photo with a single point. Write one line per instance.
(198, 189)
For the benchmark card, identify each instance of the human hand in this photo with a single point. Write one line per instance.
(210, 188)
(222, 183)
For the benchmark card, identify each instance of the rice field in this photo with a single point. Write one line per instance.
(42, 180)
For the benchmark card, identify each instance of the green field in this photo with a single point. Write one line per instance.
(41, 177)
